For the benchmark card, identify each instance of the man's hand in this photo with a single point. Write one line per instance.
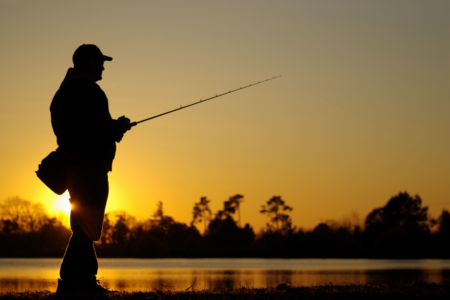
(124, 124)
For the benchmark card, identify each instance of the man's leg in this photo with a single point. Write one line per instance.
(88, 188)
(80, 260)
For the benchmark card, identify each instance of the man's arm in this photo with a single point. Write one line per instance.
(125, 125)
(89, 115)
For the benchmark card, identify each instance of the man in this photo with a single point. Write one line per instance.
(86, 136)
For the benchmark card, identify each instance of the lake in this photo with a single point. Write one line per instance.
(36, 274)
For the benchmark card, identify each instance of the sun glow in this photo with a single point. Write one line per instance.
(61, 204)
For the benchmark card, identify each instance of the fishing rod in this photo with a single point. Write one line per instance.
(201, 101)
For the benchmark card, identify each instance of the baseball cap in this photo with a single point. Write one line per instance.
(86, 52)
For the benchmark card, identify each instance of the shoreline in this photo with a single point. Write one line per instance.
(281, 291)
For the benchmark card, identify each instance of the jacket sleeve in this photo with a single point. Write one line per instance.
(116, 131)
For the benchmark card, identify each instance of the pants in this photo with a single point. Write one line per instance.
(88, 189)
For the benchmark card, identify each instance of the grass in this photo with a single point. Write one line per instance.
(282, 291)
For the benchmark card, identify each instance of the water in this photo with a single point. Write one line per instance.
(178, 274)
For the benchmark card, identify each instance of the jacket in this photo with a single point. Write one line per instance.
(84, 128)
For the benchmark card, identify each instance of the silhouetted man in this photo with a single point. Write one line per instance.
(86, 136)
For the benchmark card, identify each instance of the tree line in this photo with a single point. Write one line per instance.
(402, 228)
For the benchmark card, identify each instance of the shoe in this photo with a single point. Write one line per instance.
(94, 285)
(91, 285)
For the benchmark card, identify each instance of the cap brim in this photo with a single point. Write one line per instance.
(107, 58)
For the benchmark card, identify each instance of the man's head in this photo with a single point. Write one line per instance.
(90, 59)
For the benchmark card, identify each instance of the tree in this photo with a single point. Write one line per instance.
(233, 205)
(443, 234)
(158, 215)
(223, 232)
(275, 208)
(106, 237)
(53, 235)
(444, 223)
(167, 237)
(401, 210)
(161, 223)
(28, 216)
(398, 229)
(9, 227)
(120, 230)
(200, 210)
(230, 207)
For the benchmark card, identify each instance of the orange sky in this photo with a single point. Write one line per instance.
(360, 113)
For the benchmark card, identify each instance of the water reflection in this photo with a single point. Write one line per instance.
(26, 284)
(148, 275)
(231, 279)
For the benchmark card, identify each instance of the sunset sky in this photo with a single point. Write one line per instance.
(360, 113)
